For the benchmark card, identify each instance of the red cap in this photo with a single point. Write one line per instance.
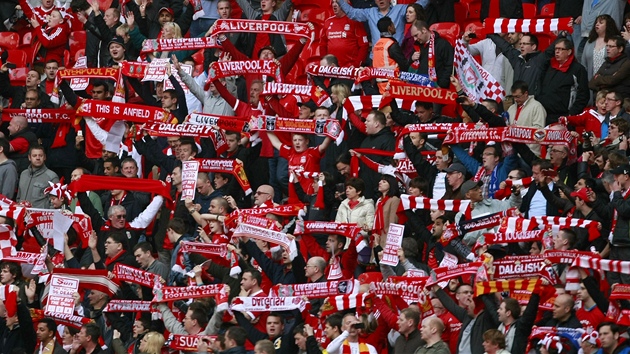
(170, 11)
(582, 193)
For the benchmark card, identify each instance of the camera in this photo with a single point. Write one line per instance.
(587, 135)
(461, 99)
(358, 325)
(472, 35)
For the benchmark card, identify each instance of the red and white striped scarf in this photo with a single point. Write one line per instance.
(411, 202)
(535, 25)
(562, 222)
(446, 273)
(338, 303)
(431, 59)
(517, 224)
(608, 265)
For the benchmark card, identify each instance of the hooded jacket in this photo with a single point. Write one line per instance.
(9, 178)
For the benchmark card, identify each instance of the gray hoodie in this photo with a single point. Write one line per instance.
(8, 178)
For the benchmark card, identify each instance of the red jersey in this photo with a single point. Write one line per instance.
(452, 326)
(590, 317)
(305, 161)
(346, 39)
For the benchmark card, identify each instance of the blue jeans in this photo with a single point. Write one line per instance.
(278, 175)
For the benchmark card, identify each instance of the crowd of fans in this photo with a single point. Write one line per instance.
(579, 83)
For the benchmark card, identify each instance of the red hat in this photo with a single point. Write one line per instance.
(582, 193)
(170, 11)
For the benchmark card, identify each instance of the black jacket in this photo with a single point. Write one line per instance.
(443, 60)
(622, 227)
(529, 68)
(564, 93)
(440, 11)
(285, 344)
(383, 140)
(613, 76)
(99, 36)
(484, 321)
(17, 93)
(21, 336)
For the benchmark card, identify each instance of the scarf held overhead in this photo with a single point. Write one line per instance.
(327, 127)
(51, 115)
(175, 44)
(231, 166)
(259, 26)
(536, 25)
(95, 183)
(131, 112)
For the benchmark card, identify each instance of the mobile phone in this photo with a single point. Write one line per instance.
(460, 99)
(358, 325)
(80, 133)
(10, 65)
(472, 35)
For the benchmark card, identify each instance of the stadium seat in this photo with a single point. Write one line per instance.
(17, 57)
(461, 12)
(477, 28)
(474, 10)
(314, 15)
(529, 10)
(9, 40)
(447, 30)
(76, 42)
(544, 40)
(548, 10)
(17, 76)
(27, 39)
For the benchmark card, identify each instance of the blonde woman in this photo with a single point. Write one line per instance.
(152, 343)
(170, 30)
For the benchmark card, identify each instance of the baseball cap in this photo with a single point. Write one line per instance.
(621, 170)
(310, 104)
(117, 40)
(456, 167)
(469, 185)
(581, 193)
(168, 9)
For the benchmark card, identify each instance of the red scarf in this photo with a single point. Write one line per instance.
(94, 183)
(562, 67)
(379, 220)
(110, 260)
(431, 59)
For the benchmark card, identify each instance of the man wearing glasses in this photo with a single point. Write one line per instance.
(263, 198)
(614, 73)
(526, 111)
(564, 88)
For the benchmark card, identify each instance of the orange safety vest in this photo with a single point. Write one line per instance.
(381, 59)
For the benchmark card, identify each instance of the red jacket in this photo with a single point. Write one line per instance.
(348, 261)
(51, 43)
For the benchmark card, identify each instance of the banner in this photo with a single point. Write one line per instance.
(409, 291)
(49, 115)
(259, 233)
(61, 319)
(61, 295)
(392, 244)
(514, 134)
(189, 343)
(339, 72)
(259, 26)
(369, 73)
(169, 130)
(328, 127)
(95, 73)
(268, 304)
(206, 249)
(189, 179)
(43, 220)
(422, 93)
(316, 93)
(127, 306)
(224, 122)
(220, 69)
(175, 44)
(326, 227)
(174, 293)
(227, 166)
(156, 71)
(316, 290)
(135, 275)
(476, 81)
(130, 112)
(447, 273)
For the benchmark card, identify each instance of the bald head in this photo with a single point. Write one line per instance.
(263, 194)
(315, 268)
(563, 307)
(16, 124)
